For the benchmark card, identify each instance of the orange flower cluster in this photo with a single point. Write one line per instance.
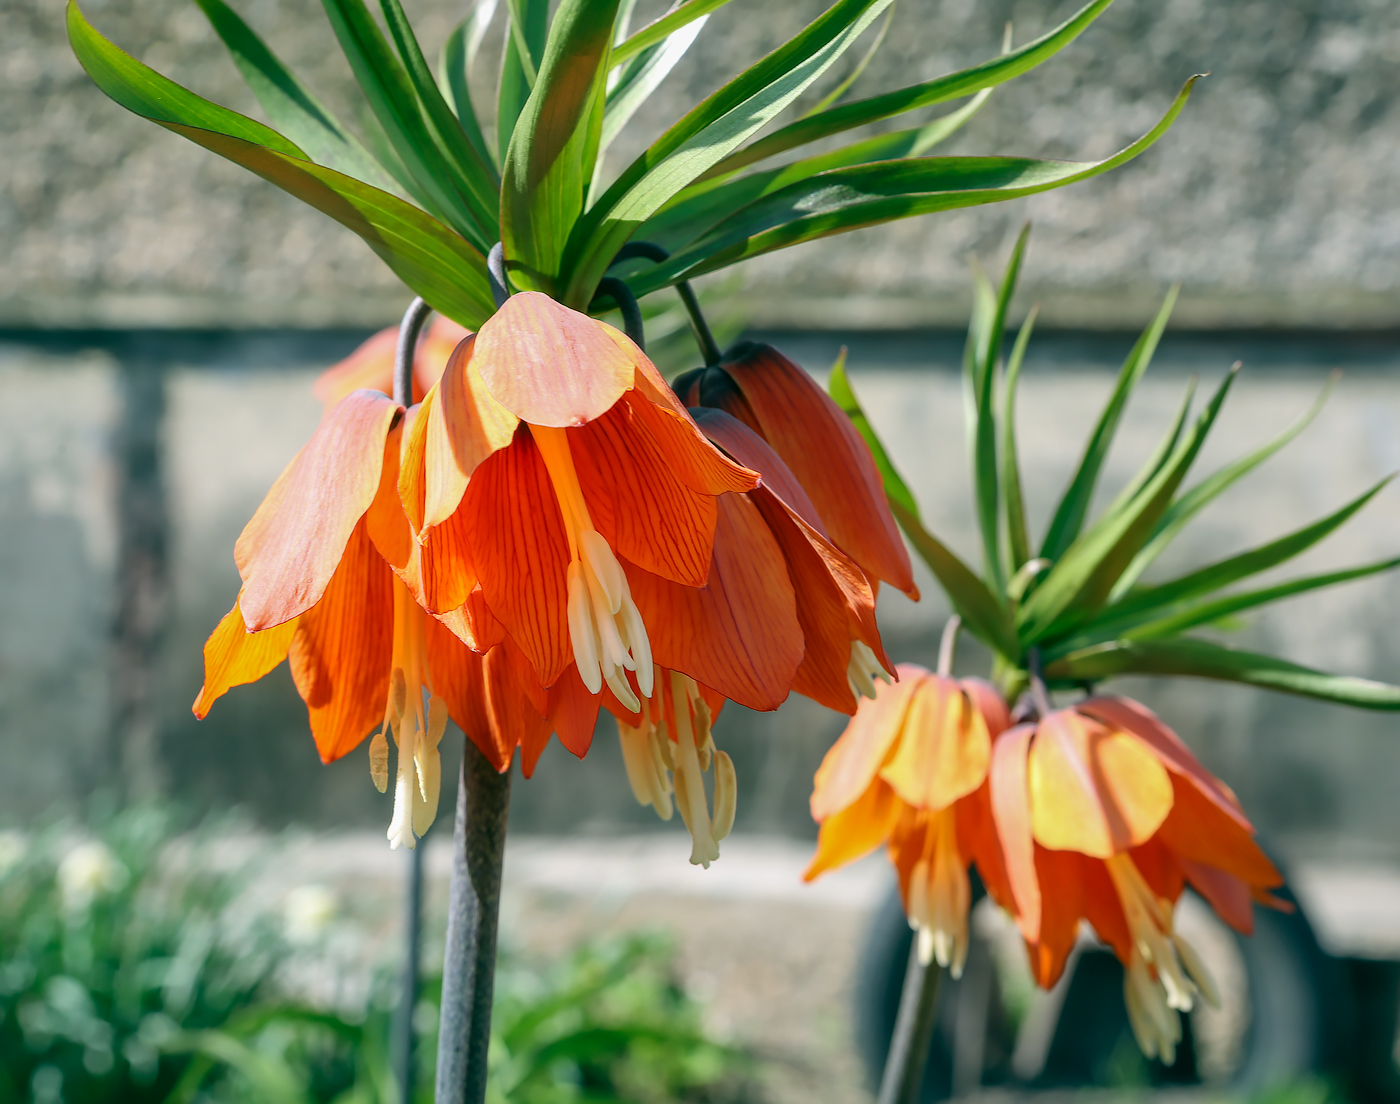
(548, 532)
(1095, 813)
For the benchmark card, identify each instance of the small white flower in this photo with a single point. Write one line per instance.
(13, 845)
(308, 912)
(88, 871)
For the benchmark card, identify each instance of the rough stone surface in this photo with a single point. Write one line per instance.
(1272, 198)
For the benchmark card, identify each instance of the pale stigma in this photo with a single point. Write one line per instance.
(863, 669)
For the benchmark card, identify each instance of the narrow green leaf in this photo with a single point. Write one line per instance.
(1166, 447)
(1213, 577)
(1082, 579)
(529, 25)
(642, 76)
(663, 28)
(867, 195)
(702, 206)
(707, 133)
(1069, 517)
(291, 107)
(1017, 541)
(454, 72)
(1202, 659)
(855, 74)
(1196, 499)
(542, 189)
(839, 386)
(954, 86)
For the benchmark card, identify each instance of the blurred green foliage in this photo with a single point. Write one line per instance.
(139, 962)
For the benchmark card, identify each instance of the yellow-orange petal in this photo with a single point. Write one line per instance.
(1094, 789)
(739, 634)
(474, 624)
(1063, 875)
(944, 747)
(549, 365)
(343, 648)
(233, 656)
(1198, 830)
(851, 765)
(828, 456)
(855, 831)
(385, 520)
(292, 546)
(573, 712)
(992, 705)
(520, 553)
(1008, 780)
(464, 426)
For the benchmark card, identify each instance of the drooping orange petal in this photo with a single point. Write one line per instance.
(980, 843)
(447, 571)
(1011, 812)
(636, 502)
(549, 365)
(474, 624)
(855, 831)
(1198, 830)
(292, 546)
(850, 766)
(1132, 717)
(573, 712)
(739, 634)
(464, 426)
(1063, 875)
(385, 520)
(828, 456)
(517, 702)
(751, 450)
(944, 748)
(1094, 789)
(992, 705)
(1160, 868)
(519, 551)
(1228, 895)
(233, 656)
(689, 453)
(343, 648)
(1103, 908)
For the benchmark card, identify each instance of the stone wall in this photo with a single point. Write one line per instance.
(1272, 198)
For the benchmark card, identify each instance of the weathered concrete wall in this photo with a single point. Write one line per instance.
(237, 408)
(1272, 198)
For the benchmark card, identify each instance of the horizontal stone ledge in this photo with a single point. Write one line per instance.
(1107, 309)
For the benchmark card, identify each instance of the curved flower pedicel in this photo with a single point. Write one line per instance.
(1104, 815)
(910, 772)
(318, 587)
(371, 365)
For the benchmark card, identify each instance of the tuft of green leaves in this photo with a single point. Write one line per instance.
(1079, 602)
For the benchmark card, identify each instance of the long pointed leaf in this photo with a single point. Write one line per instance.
(1166, 447)
(709, 132)
(839, 386)
(427, 256)
(1082, 579)
(642, 77)
(951, 87)
(542, 190)
(667, 25)
(454, 76)
(1199, 496)
(524, 46)
(867, 195)
(855, 74)
(1073, 509)
(290, 106)
(1203, 659)
(1018, 545)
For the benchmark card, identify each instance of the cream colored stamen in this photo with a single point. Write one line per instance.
(417, 731)
(940, 896)
(863, 669)
(605, 627)
(1164, 974)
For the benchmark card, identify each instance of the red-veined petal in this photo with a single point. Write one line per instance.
(850, 766)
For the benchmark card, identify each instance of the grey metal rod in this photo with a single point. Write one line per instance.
(469, 965)
(913, 1032)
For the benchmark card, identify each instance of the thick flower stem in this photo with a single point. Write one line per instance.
(469, 963)
(913, 1032)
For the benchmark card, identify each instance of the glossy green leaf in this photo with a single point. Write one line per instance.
(548, 165)
(1161, 454)
(1081, 580)
(1216, 576)
(1202, 659)
(951, 87)
(661, 29)
(979, 608)
(427, 256)
(1199, 496)
(642, 76)
(860, 67)
(702, 206)
(1070, 515)
(866, 195)
(839, 386)
(529, 25)
(1018, 543)
(454, 73)
(291, 107)
(707, 133)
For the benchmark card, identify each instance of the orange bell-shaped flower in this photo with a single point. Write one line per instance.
(783, 404)
(1105, 815)
(910, 772)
